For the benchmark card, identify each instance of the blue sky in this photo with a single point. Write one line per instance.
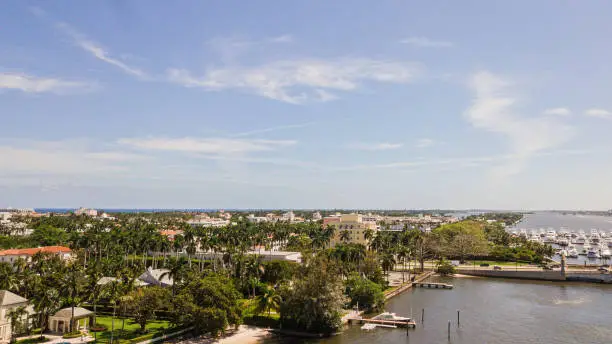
(310, 104)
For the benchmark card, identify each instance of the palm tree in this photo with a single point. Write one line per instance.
(8, 277)
(268, 301)
(16, 317)
(72, 284)
(387, 262)
(176, 271)
(113, 292)
(345, 236)
(47, 302)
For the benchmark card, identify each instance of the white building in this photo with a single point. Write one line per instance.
(60, 321)
(9, 301)
(86, 211)
(288, 216)
(316, 216)
(256, 219)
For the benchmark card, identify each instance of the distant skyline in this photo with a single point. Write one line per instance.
(306, 105)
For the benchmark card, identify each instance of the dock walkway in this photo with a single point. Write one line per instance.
(396, 323)
(433, 285)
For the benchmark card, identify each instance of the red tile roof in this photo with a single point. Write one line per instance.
(33, 251)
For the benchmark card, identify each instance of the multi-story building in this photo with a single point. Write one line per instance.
(8, 302)
(85, 211)
(10, 256)
(354, 224)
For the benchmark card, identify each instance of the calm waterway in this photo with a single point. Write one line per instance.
(494, 311)
(499, 310)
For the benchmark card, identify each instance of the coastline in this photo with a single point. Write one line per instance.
(246, 334)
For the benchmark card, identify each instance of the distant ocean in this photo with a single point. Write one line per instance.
(126, 210)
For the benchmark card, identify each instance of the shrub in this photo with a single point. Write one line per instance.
(98, 328)
(445, 268)
(33, 340)
(74, 334)
(36, 331)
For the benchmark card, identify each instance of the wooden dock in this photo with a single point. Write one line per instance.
(433, 285)
(387, 323)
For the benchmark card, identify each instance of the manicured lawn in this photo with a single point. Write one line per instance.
(155, 328)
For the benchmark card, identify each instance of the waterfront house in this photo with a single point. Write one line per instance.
(8, 302)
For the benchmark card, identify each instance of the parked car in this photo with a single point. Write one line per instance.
(497, 267)
(603, 269)
(484, 264)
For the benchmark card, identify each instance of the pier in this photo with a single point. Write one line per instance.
(433, 285)
(384, 323)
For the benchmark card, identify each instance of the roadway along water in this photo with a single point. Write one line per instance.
(495, 311)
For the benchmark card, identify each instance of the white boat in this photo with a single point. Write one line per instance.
(551, 237)
(563, 232)
(572, 252)
(594, 237)
(605, 253)
(610, 243)
(368, 326)
(592, 253)
(563, 242)
(390, 316)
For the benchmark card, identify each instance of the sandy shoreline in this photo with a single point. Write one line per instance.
(244, 335)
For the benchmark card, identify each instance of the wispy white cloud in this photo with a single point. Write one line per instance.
(98, 51)
(281, 39)
(561, 111)
(61, 158)
(32, 84)
(600, 113)
(206, 145)
(300, 81)
(424, 42)
(91, 47)
(425, 142)
(277, 128)
(491, 160)
(375, 146)
(493, 109)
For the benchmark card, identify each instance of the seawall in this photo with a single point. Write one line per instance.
(541, 275)
(520, 274)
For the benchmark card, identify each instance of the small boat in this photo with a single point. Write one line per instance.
(572, 252)
(368, 326)
(390, 316)
(605, 252)
(563, 242)
(592, 253)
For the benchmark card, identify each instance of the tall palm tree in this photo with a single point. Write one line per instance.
(16, 316)
(46, 303)
(72, 284)
(387, 262)
(345, 236)
(268, 301)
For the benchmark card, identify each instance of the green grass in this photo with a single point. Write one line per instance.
(155, 328)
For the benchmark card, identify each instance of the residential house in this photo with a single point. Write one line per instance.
(8, 302)
(10, 256)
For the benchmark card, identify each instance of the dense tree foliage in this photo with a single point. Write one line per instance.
(364, 293)
(315, 299)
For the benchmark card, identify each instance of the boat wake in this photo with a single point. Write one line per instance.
(570, 302)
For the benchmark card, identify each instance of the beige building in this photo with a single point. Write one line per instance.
(355, 224)
(9, 301)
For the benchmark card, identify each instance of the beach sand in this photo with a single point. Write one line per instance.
(244, 335)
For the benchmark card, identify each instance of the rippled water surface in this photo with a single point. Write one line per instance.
(495, 311)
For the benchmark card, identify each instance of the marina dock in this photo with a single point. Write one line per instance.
(385, 323)
(433, 285)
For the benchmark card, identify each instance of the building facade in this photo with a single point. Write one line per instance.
(354, 224)
(12, 255)
(9, 301)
